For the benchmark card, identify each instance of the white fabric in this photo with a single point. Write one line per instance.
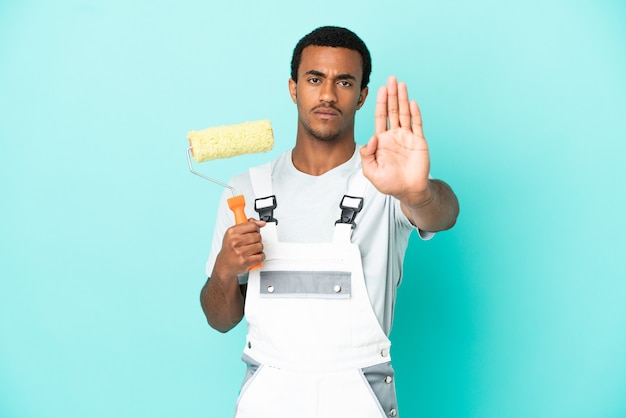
(313, 333)
(258, 181)
(279, 393)
(311, 347)
(308, 207)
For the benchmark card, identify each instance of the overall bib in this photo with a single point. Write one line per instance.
(314, 348)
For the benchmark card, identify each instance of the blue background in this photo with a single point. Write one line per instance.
(519, 311)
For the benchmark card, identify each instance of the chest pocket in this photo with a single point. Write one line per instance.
(306, 284)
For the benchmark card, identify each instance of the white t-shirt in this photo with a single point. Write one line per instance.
(307, 208)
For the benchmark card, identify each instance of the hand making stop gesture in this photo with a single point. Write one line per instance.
(396, 159)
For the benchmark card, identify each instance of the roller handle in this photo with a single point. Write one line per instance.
(237, 205)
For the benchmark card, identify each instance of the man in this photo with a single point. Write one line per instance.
(333, 226)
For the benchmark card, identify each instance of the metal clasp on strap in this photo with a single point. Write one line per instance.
(265, 207)
(350, 206)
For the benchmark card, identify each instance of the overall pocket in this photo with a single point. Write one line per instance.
(253, 369)
(381, 380)
(252, 366)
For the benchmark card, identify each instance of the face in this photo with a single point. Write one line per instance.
(328, 92)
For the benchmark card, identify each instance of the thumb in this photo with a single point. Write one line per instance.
(369, 150)
(258, 223)
(368, 157)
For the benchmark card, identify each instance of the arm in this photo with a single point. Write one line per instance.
(397, 162)
(222, 298)
(436, 213)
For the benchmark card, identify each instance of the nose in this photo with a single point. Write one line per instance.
(327, 93)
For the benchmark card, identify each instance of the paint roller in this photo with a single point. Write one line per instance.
(230, 141)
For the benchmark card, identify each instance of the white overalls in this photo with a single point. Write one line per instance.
(315, 348)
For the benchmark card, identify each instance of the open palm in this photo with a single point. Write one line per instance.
(396, 159)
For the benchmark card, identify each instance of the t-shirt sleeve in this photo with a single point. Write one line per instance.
(222, 223)
(424, 235)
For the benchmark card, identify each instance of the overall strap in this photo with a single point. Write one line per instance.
(265, 200)
(351, 204)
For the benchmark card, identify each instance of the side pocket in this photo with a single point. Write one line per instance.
(252, 369)
(381, 380)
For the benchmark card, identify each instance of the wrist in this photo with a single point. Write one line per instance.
(417, 200)
(222, 271)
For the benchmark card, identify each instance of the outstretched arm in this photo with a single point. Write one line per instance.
(397, 162)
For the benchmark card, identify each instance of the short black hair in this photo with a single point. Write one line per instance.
(336, 37)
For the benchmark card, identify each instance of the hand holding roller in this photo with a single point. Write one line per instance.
(229, 141)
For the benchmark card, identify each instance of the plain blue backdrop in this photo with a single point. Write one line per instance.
(519, 311)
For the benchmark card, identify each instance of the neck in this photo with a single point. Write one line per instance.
(317, 157)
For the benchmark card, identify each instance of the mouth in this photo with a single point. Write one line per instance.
(326, 112)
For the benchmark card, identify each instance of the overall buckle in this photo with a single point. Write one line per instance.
(350, 206)
(265, 208)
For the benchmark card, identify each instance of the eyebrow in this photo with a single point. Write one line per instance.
(339, 77)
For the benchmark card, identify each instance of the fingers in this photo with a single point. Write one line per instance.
(392, 103)
(380, 114)
(242, 245)
(416, 118)
(248, 233)
(404, 114)
(393, 109)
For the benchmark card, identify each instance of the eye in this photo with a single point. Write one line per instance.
(314, 80)
(345, 83)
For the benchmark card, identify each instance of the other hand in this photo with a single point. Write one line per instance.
(241, 249)
(396, 159)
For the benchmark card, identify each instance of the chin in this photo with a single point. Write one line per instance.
(322, 136)
(327, 138)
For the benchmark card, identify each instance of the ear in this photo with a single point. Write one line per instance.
(292, 90)
(362, 97)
